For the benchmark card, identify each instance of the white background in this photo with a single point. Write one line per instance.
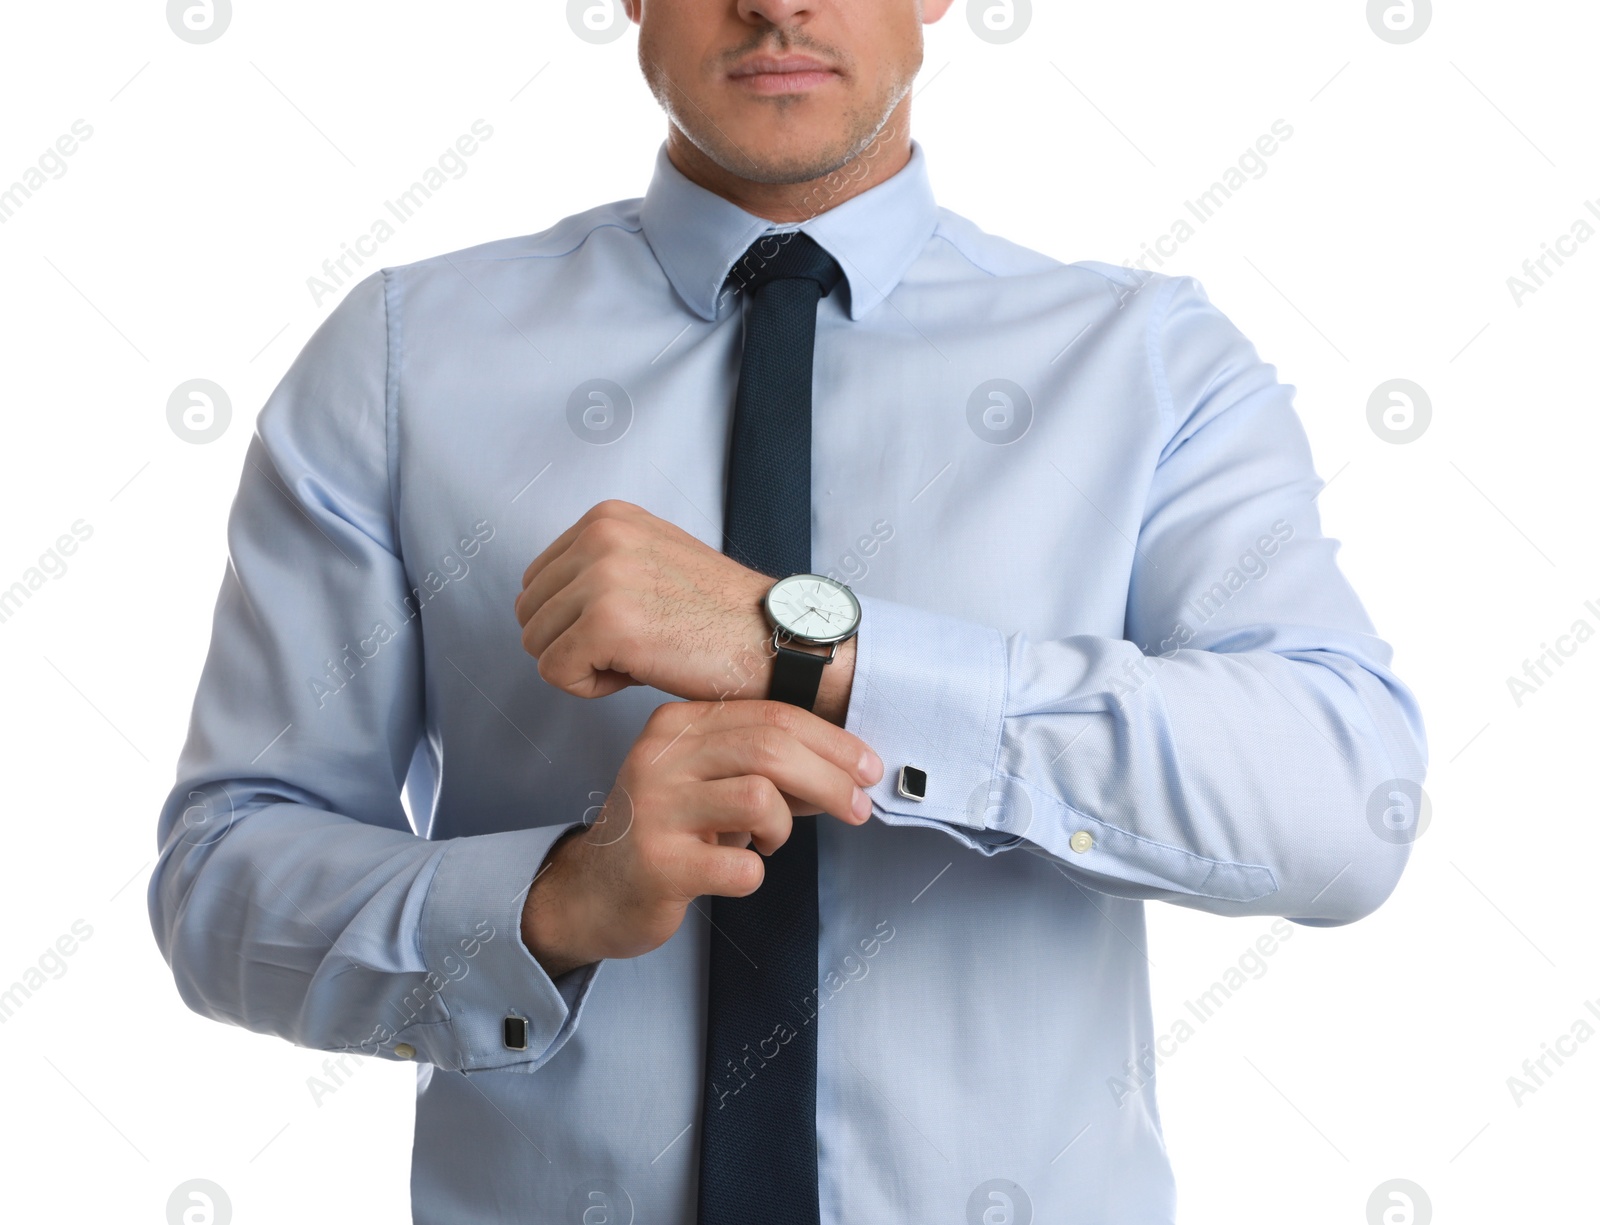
(1378, 245)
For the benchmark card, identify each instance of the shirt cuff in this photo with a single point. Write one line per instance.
(471, 934)
(929, 692)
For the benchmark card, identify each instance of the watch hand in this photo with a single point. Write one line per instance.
(800, 617)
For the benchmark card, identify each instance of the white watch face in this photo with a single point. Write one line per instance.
(814, 608)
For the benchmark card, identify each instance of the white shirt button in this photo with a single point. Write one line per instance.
(405, 1050)
(1081, 841)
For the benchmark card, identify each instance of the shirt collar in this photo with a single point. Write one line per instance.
(697, 235)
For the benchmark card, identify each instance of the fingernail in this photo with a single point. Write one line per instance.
(869, 766)
(861, 804)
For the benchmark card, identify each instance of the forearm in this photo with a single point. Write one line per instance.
(335, 934)
(1235, 782)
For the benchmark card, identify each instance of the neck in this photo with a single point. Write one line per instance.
(789, 203)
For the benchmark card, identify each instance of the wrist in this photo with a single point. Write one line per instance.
(547, 914)
(838, 679)
(816, 668)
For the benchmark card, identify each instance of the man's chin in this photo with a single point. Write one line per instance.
(777, 154)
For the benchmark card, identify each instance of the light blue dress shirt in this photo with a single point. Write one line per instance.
(1098, 610)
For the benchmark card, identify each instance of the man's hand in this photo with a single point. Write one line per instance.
(625, 598)
(703, 784)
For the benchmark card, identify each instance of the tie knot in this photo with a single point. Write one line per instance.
(790, 256)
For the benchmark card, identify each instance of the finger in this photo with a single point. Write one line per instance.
(749, 803)
(586, 659)
(554, 616)
(552, 577)
(601, 554)
(727, 871)
(611, 508)
(828, 740)
(814, 783)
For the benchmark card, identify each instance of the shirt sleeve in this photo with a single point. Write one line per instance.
(291, 895)
(1243, 749)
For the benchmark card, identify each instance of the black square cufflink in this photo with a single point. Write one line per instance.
(514, 1032)
(913, 783)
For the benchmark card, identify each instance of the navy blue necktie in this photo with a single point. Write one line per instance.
(758, 1138)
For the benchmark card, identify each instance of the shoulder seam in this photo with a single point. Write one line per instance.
(938, 232)
(501, 259)
(1059, 265)
(1158, 365)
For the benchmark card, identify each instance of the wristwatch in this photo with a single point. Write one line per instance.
(809, 610)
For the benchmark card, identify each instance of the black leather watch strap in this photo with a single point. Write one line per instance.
(796, 677)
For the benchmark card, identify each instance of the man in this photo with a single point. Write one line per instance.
(655, 954)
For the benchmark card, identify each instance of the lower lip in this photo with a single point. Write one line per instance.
(783, 82)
